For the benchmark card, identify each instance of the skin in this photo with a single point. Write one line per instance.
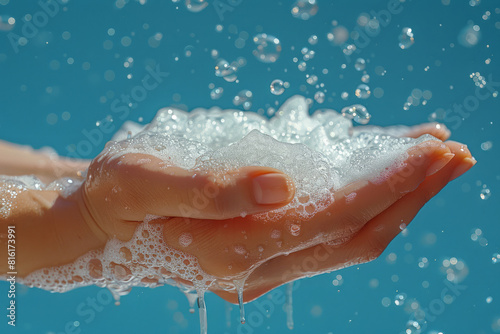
(118, 193)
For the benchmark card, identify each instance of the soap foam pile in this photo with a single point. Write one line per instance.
(321, 153)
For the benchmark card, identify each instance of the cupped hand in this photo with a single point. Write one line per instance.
(231, 241)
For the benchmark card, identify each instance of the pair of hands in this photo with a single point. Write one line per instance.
(364, 217)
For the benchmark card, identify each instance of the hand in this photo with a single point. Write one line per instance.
(357, 225)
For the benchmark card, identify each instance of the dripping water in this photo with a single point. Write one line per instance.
(239, 285)
(202, 308)
(192, 297)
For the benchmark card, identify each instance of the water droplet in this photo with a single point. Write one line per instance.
(400, 299)
(243, 98)
(406, 39)
(225, 70)
(357, 113)
(277, 87)
(319, 97)
(294, 229)
(216, 93)
(495, 258)
(363, 91)
(304, 9)
(192, 297)
(312, 80)
(185, 239)
(485, 193)
(423, 262)
(268, 48)
(455, 270)
(239, 285)
(366, 79)
(6, 22)
(360, 64)
(469, 36)
(196, 6)
(302, 66)
(313, 39)
(413, 327)
(338, 35)
(487, 145)
(202, 309)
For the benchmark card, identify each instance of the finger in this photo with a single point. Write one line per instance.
(146, 185)
(360, 201)
(438, 130)
(368, 243)
(377, 234)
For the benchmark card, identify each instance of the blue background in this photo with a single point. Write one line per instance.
(38, 85)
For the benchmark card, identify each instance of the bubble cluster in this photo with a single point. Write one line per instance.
(304, 9)
(455, 270)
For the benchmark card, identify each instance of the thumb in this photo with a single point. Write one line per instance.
(147, 186)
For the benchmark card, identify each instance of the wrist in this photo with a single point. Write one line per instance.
(50, 230)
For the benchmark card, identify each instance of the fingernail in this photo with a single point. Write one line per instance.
(271, 188)
(464, 166)
(437, 165)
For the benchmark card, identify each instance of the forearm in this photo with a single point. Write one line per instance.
(49, 231)
(22, 160)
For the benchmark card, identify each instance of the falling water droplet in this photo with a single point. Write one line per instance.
(312, 80)
(196, 6)
(357, 113)
(216, 93)
(313, 39)
(268, 48)
(277, 87)
(192, 297)
(406, 39)
(360, 64)
(400, 299)
(485, 193)
(363, 91)
(225, 70)
(319, 97)
(470, 35)
(239, 285)
(289, 305)
(202, 308)
(495, 258)
(243, 98)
